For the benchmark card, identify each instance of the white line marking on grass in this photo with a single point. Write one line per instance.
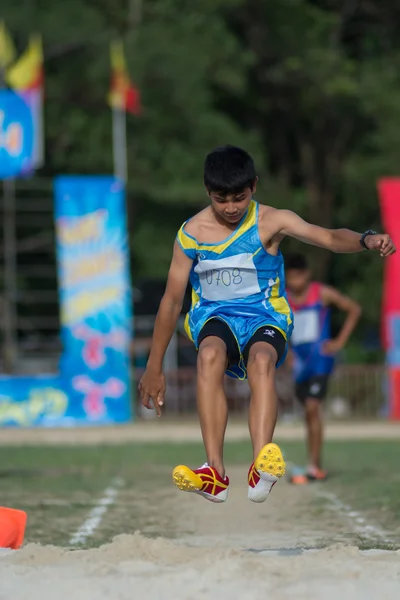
(357, 521)
(96, 515)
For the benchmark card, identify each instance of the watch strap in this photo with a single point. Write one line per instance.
(364, 235)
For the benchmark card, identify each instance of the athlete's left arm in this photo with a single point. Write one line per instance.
(336, 240)
(331, 296)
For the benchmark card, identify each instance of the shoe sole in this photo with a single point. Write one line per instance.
(270, 460)
(188, 481)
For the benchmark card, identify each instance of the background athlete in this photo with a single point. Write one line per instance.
(240, 320)
(313, 349)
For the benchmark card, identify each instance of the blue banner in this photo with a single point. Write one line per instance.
(95, 296)
(26, 401)
(96, 315)
(33, 98)
(16, 135)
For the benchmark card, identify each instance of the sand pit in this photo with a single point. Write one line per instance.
(293, 547)
(136, 567)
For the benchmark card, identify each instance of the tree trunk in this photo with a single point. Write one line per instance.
(320, 205)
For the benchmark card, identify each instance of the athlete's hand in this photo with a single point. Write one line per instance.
(381, 242)
(152, 390)
(332, 347)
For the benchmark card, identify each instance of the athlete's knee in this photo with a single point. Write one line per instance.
(312, 408)
(211, 357)
(261, 361)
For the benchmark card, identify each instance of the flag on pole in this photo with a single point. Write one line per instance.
(7, 49)
(27, 73)
(26, 77)
(123, 95)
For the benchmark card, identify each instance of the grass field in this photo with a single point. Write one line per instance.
(58, 486)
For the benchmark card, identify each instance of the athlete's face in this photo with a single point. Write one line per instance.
(297, 280)
(232, 207)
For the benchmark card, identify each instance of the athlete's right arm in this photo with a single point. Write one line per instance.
(152, 384)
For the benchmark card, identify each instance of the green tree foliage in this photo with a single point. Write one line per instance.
(310, 87)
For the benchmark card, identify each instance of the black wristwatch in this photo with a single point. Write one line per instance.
(364, 235)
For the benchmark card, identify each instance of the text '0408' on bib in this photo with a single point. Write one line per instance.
(228, 278)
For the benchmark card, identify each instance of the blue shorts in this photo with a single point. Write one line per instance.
(238, 354)
(311, 364)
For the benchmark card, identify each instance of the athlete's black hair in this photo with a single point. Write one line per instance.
(296, 261)
(229, 170)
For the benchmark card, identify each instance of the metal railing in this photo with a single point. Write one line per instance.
(28, 277)
(355, 392)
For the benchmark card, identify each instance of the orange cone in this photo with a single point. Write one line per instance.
(12, 527)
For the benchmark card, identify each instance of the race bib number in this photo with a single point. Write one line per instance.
(228, 278)
(306, 327)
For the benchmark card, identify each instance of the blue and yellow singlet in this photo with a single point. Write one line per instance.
(238, 282)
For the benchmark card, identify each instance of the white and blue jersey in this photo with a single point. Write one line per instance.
(238, 282)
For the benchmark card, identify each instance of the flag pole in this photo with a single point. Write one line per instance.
(10, 276)
(119, 144)
(9, 350)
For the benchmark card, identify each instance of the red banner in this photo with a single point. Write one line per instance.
(394, 393)
(389, 194)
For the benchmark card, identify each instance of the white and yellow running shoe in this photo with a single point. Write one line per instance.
(265, 471)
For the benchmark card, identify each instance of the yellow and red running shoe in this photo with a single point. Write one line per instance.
(205, 481)
(265, 471)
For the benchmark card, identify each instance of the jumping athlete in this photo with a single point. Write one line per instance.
(313, 350)
(240, 320)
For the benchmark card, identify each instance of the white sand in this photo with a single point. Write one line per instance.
(237, 550)
(133, 567)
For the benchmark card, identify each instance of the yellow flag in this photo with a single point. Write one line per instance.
(7, 49)
(119, 76)
(27, 72)
(117, 56)
(122, 94)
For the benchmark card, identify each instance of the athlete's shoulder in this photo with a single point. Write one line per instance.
(199, 223)
(265, 211)
(191, 231)
(269, 226)
(328, 294)
(278, 216)
(194, 225)
(270, 216)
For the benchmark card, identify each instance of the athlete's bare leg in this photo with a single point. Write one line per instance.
(263, 409)
(313, 416)
(212, 405)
